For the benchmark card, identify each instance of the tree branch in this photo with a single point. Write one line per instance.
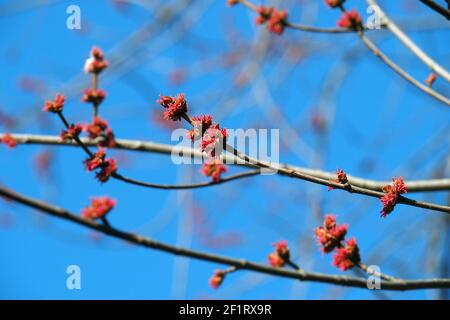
(415, 49)
(238, 263)
(167, 149)
(441, 10)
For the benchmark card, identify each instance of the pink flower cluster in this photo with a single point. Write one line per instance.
(200, 125)
(56, 105)
(276, 19)
(93, 96)
(217, 278)
(213, 169)
(107, 166)
(389, 200)
(281, 255)
(330, 236)
(99, 207)
(71, 133)
(100, 128)
(350, 20)
(96, 62)
(214, 140)
(8, 140)
(175, 107)
(348, 256)
(341, 177)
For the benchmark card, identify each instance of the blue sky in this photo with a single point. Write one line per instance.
(379, 126)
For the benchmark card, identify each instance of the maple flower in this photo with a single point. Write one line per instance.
(213, 169)
(217, 278)
(175, 106)
(389, 200)
(201, 124)
(71, 133)
(264, 14)
(334, 3)
(56, 105)
(96, 62)
(341, 177)
(277, 22)
(330, 235)
(96, 128)
(108, 168)
(93, 96)
(214, 139)
(350, 20)
(108, 139)
(97, 161)
(8, 140)
(100, 128)
(347, 257)
(281, 255)
(99, 207)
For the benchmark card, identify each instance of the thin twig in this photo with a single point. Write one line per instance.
(441, 10)
(303, 27)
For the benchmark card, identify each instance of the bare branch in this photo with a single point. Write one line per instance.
(423, 56)
(160, 148)
(238, 263)
(441, 10)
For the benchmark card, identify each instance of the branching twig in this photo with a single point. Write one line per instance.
(377, 52)
(423, 56)
(302, 27)
(160, 148)
(238, 263)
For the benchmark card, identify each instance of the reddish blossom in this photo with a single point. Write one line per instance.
(56, 105)
(200, 125)
(347, 257)
(8, 140)
(217, 278)
(277, 22)
(96, 62)
(109, 140)
(264, 14)
(108, 168)
(93, 96)
(330, 235)
(71, 133)
(214, 139)
(95, 162)
(100, 128)
(334, 3)
(175, 106)
(281, 255)
(213, 169)
(350, 20)
(389, 200)
(341, 177)
(99, 207)
(96, 128)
